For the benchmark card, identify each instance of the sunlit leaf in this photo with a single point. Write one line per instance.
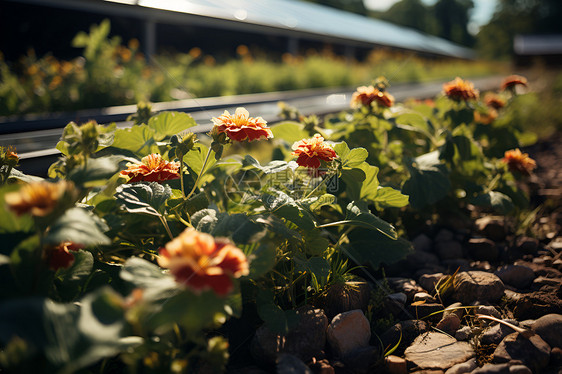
(146, 198)
(170, 123)
(428, 182)
(498, 201)
(137, 139)
(79, 226)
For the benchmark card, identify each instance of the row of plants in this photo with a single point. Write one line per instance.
(145, 241)
(110, 73)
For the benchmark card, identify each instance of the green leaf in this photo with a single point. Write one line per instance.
(137, 139)
(389, 197)
(369, 186)
(204, 220)
(371, 248)
(79, 226)
(69, 281)
(140, 273)
(319, 201)
(359, 215)
(145, 198)
(97, 171)
(314, 243)
(262, 260)
(196, 157)
(414, 120)
(498, 201)
(350, 158)
(170, 123)
(239, 227)
(283, 206)
(320, 267)
(289, 131)
(272, 167)
(353, 179)
(275, 318)
(428, 182)
(16, 174)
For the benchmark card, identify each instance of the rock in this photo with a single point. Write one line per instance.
(348, 331)
(422, 242)
(455, 308)
(449, 324)
(289, 364)
(395, 365)
(473, 286)
(535, 304)
(556, 356)
(492, 369)
(519, 369)
(448, 250)
(341, 297)
(495, 334)
(428, 281)
(419, 259)
(424, 296)
(481, 265)
(394, 303)
(464, 333)
(518, 276)
(444, 235)
(463, 367)
(482, 249)
(547, 284)
(423, 311)
(549, 328)
(305, 341)
(533, 352)
(404, 331)
(526, 245)
(492, 228)
(362, 360)
(404, 285)
(488, 310)
(438, 351)
(457, 263)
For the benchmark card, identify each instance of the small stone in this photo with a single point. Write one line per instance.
(362, 360)
(438, 351)
(449, 324)
(488, 310)
(348, 331)
(481, 265)
(448, 250)
(482, 249)
(535, 304)
(404, 285)
(424, 296)
(429, 311)
(533, 352)
(495, 334)
(473, 286)
(492, 369)
(556, 356)
(419, 259)
(342, 297)
(428, 281)
(404, 331)
(289, 364)
(456, 308)
(492, 228)
(322, 367)
(518, 276)
(444, 235)
(463, 367)
(527, 245)
(395, 365)
(549, 327)
(519, 369)
(422, 242)
(549, 284)
(464, 333)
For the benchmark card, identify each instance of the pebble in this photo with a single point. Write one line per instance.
(438, 351)
(424, 296)
(495, 334)
(422, 242)
(482, 249)
(448, 250)
(533, 352)
(518, 276)
(463, 367)
(449, 324)
(395, 365)
(348, 331)
(428, 281)
(480, 286)
(549, 328)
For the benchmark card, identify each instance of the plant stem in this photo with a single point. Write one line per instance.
(317, 186)
(181, 175)
(165, 224)
(200, 173)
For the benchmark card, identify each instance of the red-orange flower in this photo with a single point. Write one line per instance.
(519, 162)
(240, 126)
(493, 100)
(60, 257)
(460, 89)
(200, 261)
(311, 151)
(366, 95)
(11, 158)
(513, 80)
(152, 168)
(38, 198)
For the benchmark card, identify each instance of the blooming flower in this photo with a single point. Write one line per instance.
(513, 80)
(487, 117)
(366, 95)
(240, 126)
(519, 162)
(152, 168)
(11, 157)
(60, 257)
(494, 101)
(200, 261)
(311, 151)
(460, 89)
(38, 198)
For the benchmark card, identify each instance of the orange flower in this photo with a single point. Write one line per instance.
(311, 151)
(152, 168)
(60, 257)
(240, 126)
(513, 80)
(494, 101)
(38, 198)
(11, 158)
(366, 95)
(519, 162)
(459, 89)
(200, 261)
(486, 118)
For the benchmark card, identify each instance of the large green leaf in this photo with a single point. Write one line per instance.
(359, 215)
(283, 206)
(374, 249)
(97, 171)
(146, 198)
(262, 260)
(498, 201)
(170, 123)
(350, 158)
(428, 182)
(289, 131)
(196, 158)
(69, 281)
(79, 226)
(137, 139)
(389, 197)
(239, 227)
